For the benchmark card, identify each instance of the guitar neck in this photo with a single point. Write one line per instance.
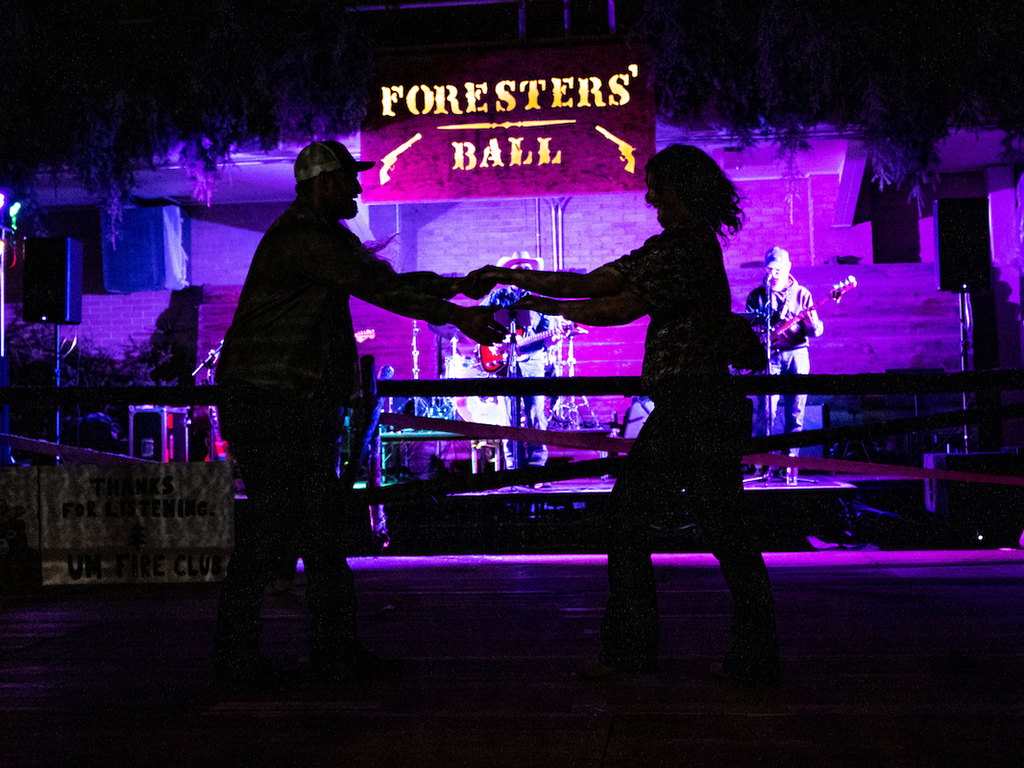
(524, 340)
(838, 291)
(798, 317)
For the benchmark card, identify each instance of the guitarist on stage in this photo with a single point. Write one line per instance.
(521, 360)
(777, 300)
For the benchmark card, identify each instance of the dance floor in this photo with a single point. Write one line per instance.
(908, 658)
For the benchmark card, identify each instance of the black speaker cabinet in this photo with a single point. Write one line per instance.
(963, 256)
(53, 281)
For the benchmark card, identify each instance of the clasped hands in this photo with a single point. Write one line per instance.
(478, 322)
(480, 282)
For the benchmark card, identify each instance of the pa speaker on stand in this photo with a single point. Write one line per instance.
(963, 263)
(963, 256)
(52, 291)
(53, 281)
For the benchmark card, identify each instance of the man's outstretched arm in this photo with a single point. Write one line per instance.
(603, 281)
(620, 309)
(477, 323)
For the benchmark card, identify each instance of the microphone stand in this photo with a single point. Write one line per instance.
(512, 372)
(766, 316)
(209, 362)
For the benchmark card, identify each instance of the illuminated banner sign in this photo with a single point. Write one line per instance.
(517, 123)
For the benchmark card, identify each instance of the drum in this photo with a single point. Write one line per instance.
(481, 410)
(636, 415)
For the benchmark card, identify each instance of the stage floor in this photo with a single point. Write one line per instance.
(821, 509)
(565, 517)
(597, 486)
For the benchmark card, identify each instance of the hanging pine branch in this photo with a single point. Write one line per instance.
(901, 76)
(100, 92)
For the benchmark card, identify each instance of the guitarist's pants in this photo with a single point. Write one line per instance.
(533, 415)
(791, 419)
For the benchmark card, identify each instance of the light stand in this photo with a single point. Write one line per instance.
(5, 450)
(216, 444)
(568, 407)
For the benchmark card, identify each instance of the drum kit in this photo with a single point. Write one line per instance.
(462, 359)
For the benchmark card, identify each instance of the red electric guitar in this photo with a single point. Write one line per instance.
(837, 292)
(218, 448)
(494, 359)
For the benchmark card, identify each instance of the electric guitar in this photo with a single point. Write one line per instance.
(218, 448)
(494, 358)
(837, 293)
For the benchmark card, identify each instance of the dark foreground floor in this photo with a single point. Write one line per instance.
(889, 659)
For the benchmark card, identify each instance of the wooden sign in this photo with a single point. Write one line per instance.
(132, 523)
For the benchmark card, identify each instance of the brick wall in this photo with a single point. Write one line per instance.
(456, 238)
(894, 319)
(113, 322)
(796, 215)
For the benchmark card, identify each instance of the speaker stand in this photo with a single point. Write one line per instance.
(965, 345)
(56, 378)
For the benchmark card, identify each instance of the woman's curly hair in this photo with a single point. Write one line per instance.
(702, 186)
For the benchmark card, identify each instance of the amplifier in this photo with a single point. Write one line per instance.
(158, 432)
(978, 513)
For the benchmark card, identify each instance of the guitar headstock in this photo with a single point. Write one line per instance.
(840, 289)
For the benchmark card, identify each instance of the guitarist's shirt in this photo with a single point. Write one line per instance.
(682, 280)
(786, 304)
(530, 356)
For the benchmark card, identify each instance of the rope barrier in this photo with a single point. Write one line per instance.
(887, 428)
(810, 384)
(895, 471)
(67, 452)
(595, 442)
(610, 467)
(460, 430)
(902, 383)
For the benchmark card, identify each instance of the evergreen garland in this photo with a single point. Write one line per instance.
(898, 75)
(101, 90)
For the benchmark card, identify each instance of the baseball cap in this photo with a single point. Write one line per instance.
(324, 157)
(777, 257)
